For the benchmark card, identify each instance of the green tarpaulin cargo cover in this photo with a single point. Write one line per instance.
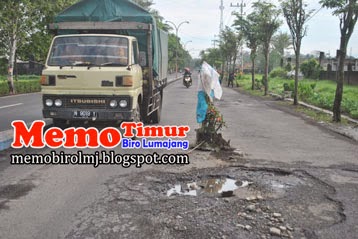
(119, 11)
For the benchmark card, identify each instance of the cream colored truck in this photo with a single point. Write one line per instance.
(103, 77)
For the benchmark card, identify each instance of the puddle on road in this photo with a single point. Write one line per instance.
(177, 190)
(15, 191)
(223, 186)
(268, 184)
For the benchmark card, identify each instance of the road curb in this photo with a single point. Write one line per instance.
(6, 139)
(7, 136)
(328, 125)
(173, 80)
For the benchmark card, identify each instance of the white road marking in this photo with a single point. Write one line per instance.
(7, 106)
(11, 96)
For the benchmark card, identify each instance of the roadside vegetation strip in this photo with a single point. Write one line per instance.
(24, 84)
(318, 93)
(31, 83)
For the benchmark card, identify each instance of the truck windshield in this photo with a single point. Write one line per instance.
(89, 51)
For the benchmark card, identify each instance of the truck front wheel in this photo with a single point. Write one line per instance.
(136, 117)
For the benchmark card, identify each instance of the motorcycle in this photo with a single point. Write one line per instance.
(187, 81)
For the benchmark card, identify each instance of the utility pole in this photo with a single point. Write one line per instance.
(221, 16)
(215, 41)
(241, 6)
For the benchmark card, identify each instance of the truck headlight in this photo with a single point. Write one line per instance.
(58, 102)
(113, 104)
(123, 103)
(48, 102)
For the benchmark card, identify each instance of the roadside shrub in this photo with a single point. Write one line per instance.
(289, 85)
(354, 114)
(27, 86)
(349, 106)
(278, 72)
(313, 85)
(288, 67)
(310, 69)
(259, 83)
(323, 101)
(4, 88)
(21, 86)
(286, 87)
(305, 91)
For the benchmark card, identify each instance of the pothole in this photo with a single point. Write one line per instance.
(256, 203)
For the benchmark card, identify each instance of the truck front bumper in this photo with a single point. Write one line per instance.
(88, 114)
(88, 108)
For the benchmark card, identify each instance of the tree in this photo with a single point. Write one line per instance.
(172, 45)
(212, 56)
(296, 17)
(251, 34)
(347, 11)
(22, 26)
(268, 23)
(311, 68)
(281, 41)
(229, 45)
(37, 43)
(16, 22)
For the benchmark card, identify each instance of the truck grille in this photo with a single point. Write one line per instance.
(86, 102)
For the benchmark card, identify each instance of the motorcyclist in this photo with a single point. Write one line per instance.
(187, 73)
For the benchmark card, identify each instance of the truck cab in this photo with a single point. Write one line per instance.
(93, 77)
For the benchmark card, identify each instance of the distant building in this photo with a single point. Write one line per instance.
(331, 64)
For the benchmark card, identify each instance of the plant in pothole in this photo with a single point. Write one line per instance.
(211, 120)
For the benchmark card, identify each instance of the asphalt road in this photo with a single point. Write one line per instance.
(45, 201)
(25, 107)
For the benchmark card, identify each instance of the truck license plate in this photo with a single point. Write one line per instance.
(84, 114)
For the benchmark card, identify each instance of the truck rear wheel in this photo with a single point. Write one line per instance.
(156, 114)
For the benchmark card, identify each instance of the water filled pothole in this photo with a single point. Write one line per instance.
(212, 186)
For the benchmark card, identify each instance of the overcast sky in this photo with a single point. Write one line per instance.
(204, 17)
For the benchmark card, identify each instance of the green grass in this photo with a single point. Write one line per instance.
(319, 116)
(322, 94)
(23, 84)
